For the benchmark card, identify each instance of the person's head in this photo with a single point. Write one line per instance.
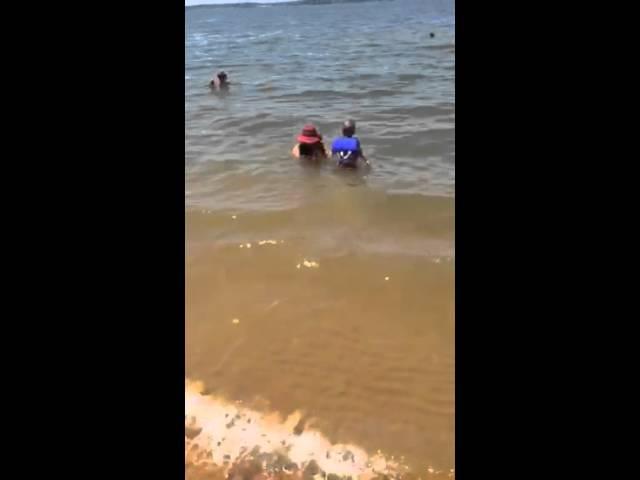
(349, 128)
(309, 135)
(310, 140)
(431, 35)
(222, 76)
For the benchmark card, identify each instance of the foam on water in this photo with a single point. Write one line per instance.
(221, 435)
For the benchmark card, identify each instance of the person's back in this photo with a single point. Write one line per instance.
(315, 150)
(347, 149)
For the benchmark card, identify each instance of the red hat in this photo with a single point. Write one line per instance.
(309, 135)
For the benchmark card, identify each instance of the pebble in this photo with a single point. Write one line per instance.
(235, 321)
(234, 217)
(386, 278)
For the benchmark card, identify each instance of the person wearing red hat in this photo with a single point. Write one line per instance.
(309, 144)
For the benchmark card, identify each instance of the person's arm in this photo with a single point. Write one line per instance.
(361, 154)
(327, 151)
(295, 151)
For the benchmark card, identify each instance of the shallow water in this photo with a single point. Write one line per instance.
(341, 283)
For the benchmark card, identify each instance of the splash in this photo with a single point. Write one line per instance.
(225, 440)
(308, 264)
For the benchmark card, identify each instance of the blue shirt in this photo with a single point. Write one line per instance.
(347, 150)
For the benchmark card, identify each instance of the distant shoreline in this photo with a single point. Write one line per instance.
(252, 3)
(241, 3)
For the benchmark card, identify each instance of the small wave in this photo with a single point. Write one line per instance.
(419, 111)
(226, 438)
(412, 76)
(269, 34)
(325, 95)
(442, 46)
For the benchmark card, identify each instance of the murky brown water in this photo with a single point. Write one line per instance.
(362, 341)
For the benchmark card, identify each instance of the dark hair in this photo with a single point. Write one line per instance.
(348, 128)
(310, 149)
